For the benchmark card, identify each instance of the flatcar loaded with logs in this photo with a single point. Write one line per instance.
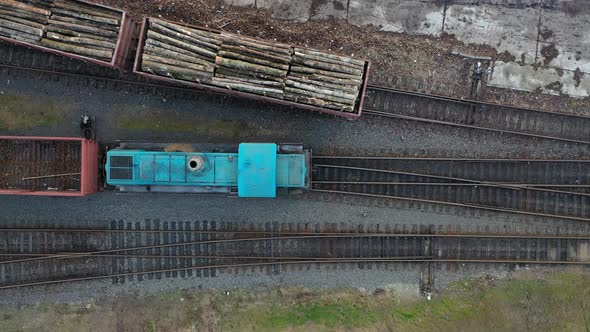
(250, 67)
(192, 56)
(74, 28)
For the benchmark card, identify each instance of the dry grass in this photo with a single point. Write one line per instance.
(18, 112)
(525, 302)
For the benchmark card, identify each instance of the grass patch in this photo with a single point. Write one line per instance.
(404, 314)
(168, 123)
(527, 302)
(324, 314)
(18, 112)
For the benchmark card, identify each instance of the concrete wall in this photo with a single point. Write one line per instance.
(551, 33)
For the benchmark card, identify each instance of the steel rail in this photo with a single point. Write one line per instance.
(224, 257)
(275, 238)
(454, 159)
(448, 123)
(107, 79)
(420, 94)
(466, 101)
(241, 265)
(320, 234)
(206, 242)
(463, 205)
(516, 184)
(472, 182)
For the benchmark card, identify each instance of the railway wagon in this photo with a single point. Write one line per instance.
(48, 166)
(72, 28)
(252, 68)
(249, 170)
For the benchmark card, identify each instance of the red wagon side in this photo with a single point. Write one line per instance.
(48, 166)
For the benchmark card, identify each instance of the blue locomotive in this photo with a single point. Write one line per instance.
(248, 170)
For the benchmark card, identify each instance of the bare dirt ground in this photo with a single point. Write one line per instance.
(420, 63)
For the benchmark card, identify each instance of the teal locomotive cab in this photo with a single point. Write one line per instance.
(254, 170)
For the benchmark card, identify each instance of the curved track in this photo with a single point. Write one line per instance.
(159, 249)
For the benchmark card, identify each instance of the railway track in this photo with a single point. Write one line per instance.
(21, 62)
(154, 250)
(544, 188)
(380, 101)
(415, 106)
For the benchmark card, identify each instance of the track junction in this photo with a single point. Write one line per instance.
(545, 188)
(155, 250)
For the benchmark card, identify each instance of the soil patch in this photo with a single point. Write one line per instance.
(578, 76)
(546, 34)
(554, 86)
(549, 52)
(575, 7)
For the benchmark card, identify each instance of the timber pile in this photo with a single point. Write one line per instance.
(82, 29)
(65, 25)
(324, 79)
(24, 21)
(252, 65)
(180, 52)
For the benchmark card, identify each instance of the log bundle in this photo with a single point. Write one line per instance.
(252, 65)
(24, 21)
(82, 29)
(180, 52)
(324, 79)
(65, 25)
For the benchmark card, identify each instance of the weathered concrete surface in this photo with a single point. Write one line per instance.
(551, 33)
(506, 29)
(411, 16)
(298, 11)
(555, 34)
(550, 80)
(572, 7)
(570, 36)
(507, 3)
(328, 9)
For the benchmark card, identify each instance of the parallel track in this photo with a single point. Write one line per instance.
(156, 250)
(409, 105)
(22, 62)
(380, 101)
(545, 188)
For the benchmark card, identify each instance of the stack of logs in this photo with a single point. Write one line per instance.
(82, 29)
(180, 52)
(252, 65)
(65, 25)
(324, 79)
(24, 21)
